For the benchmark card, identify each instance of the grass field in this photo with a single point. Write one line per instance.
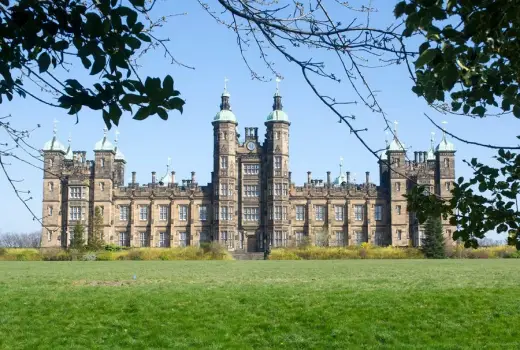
(448, 304)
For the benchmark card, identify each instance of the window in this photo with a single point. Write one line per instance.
(379, 238)
(123, 213)
(284, 213)
(203, 212)
(183, 239)
(320, 212)
(270, 189)
(102, 162)
(300, 236)
(251, 169)
(300, 212)
(278, 162)
(398, 186)
(277, 135)
(144, 239)
(448, 186)
(251, 214)
(102, 186)
(49, 235)
(446, 163)
(399, 235)
(164, 239)
(51, 186)
(163, 212)
(183, 212)
(448, 233)
(378, 213)
(280, 239)
(285, 190)
(51, 162)
(270, 211)
(397, 162)
(143, 212)
(360, 237)
(75, 213)
(224, 238)
(358, 212)
(224, 213)
(339, 211)
(204, 236)
(251, 191)
(223, 189)
(277, 189)
(49, 210)
(123, 239)
(102, 210)
(340, 238)
(223, 162)
(76, 192)
(278, 212)
(398, 209)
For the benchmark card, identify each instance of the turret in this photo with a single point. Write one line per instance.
(119, 163)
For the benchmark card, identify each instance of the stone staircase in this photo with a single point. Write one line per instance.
(248, 256)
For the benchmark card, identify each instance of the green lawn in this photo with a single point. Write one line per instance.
(404, 304)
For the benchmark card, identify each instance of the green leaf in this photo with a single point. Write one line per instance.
(115, 113)
(168, 85)
(455, 106)
(74, 84)
(482, 187)
(465, 109)
(137, 2)
(142, 113)
(144, 37)
(44, 60)
(61, 45)
(479, 110)
(451, 75)
(133, 42)
(426, 57)
(99, 64)
(399, 9)
(516, 110)
(162, 113)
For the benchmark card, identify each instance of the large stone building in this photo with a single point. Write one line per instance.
(251, 200)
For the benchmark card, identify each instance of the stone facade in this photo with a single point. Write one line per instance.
(251, 201)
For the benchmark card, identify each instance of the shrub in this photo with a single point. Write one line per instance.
(27, 255)
(105, 256)
(283, 254)
(3, 251)
(366, 251)
(112, 248)
(90, 256)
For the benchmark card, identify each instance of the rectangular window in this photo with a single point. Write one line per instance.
(224, 239)
(398, 209)
(300, 236)
(398, 186)
(123, 239)
(339, 211)
(223, 189)
(300, 212)
(183, 212)
(75, 213)
(183, 239)
(285, 191)
(380, 238)
(340, 238)
(51, 186)
(448, 186)
(278, 212)
(278, 162)
(50, 209)
(102, 186)
(144, 239)
(277, 189)
(224, 213)
(360, 237)
(102, 162)
(143, 212)
(284, 213)
(251, 191)
(76, 192)
(223, 162)
(251, 214)
(163, 212)
(378, 213)
(251, 169)
(358, 212)
(280, 239)
(164, 239)
(320, 212)
(399, 235)
(123, 212)
(270, 211)
(204, 236)
(203, 212)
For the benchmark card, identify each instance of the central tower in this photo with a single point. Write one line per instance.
(277, 174)
(225, 172)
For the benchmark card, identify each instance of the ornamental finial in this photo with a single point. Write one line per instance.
(444, 129)
(432, 138)
(105, 130)
(70, 139)
(278, 80)
(225, 84)
(395, 128)
(117, 136)
(55, 126)
(340, 165)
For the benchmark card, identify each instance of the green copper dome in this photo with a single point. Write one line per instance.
(277, 116)
(104, 144)
(54, 145)
(225, 116)
(396, 146)
(445, 145)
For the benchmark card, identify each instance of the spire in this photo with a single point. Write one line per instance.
(277, 106)
(224, 105)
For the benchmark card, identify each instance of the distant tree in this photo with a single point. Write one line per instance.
(433, 242)
(96, 240)
(78, 237)
(322, 237)
(20, 240)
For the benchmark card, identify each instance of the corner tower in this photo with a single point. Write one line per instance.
(277, 224)
(225, 173)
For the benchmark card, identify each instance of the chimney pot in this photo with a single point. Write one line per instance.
(153, 177)
(133, 177)
(348, 177)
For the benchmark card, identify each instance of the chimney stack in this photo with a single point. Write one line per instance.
(290, 178)
(172, 177)
(425, 156)
(348, 177)
(133, 177)
(153, 177)
(193, 177)
(309, 178)
(367, 178)
(328, 178)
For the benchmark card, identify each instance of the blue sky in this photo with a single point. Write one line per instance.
(317, 141)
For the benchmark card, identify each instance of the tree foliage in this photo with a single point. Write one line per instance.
(20, 240)
(469, 58)
(96, 240)
(104, 36)
(78, 237)
(433, 242)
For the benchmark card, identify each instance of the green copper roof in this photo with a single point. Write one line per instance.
(396, 145)
(225, 116)
(277, 116)
(445, 145)
(54, 145)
